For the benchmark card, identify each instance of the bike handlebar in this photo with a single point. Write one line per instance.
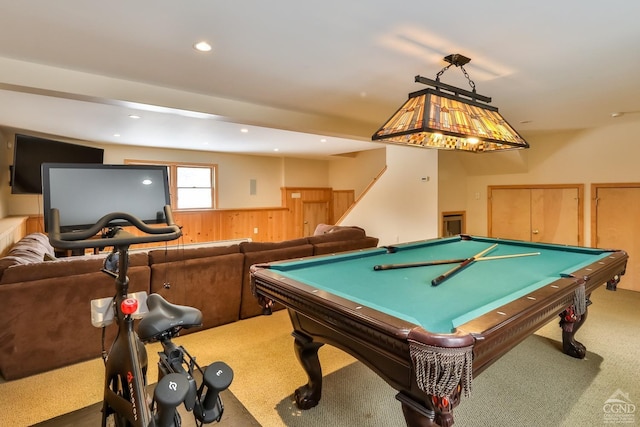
(86, 238)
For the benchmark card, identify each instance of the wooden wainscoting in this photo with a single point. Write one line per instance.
(308, 207)
(261, 225)
(342, 201)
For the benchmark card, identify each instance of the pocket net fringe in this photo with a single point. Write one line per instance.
(439, 370)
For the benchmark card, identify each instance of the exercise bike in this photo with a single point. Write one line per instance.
(126, 400)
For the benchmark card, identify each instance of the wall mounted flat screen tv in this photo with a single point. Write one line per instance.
(84, 193)
(31, 152)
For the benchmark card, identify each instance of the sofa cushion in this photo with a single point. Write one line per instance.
(247, 247)
(62, 267)
(46, 323)
(160, 256)
(344, 245)
(212, 285)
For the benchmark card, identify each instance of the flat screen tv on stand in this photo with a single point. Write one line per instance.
(84, 193)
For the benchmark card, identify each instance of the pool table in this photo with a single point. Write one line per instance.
(427, 338)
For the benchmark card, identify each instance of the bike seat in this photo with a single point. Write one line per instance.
(164, 317)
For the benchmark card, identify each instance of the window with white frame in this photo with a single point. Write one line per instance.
(192, 185)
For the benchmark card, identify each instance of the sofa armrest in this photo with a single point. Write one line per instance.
(32, 248)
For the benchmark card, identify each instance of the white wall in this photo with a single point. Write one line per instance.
(401, 206)
(358, 171)
(608, 154)
(305, 173)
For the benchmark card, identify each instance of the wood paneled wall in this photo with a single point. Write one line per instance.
(294, 199)
(259, 224)
(262, 225)
(342, 201)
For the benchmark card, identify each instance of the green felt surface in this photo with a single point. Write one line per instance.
(407, 293)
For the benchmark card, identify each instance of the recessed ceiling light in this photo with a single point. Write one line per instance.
(117, 135)
(323, 140)
(202, 46)
(134, 116)
(244, 130)
(276, 149)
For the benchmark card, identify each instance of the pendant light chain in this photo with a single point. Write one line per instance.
(471, 82)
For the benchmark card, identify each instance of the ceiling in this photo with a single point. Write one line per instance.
(304, 78)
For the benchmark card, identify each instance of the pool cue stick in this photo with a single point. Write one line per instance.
(490, 258)
(464, 264)
(380, 267)
(417, 264)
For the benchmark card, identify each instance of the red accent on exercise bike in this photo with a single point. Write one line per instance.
(129, 306)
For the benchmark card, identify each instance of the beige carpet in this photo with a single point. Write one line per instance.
(533, 385)
(259, 350)
(497, 399)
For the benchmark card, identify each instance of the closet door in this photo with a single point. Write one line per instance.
(615, 212)
(550, 214)
(554, 215)
(510, 213)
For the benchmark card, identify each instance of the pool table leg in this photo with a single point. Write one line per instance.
(420, 415)
(416, 419)
(570, 323)
(308, 395)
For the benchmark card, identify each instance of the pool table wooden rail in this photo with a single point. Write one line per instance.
(498, 331)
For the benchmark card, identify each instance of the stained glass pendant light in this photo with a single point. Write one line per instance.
(450, 118)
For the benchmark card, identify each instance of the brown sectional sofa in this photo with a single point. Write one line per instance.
(205, 278)
(45, 319)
